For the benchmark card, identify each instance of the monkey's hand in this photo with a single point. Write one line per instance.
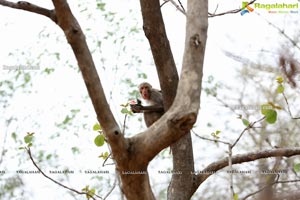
(136, 108)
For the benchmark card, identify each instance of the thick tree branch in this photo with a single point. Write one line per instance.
(169, 129)
(215, 166)
(184, 110)
(154, 29)
(76, 39)
(23, 5)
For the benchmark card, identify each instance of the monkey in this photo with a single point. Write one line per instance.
(153, 108)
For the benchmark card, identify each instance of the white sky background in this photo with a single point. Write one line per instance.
(243, 35)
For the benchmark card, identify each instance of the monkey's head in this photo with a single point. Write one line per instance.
(145, 90)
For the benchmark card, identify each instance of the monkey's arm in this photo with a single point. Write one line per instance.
(154, 108)
(138, 108)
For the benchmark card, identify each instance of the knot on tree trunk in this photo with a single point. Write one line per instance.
(183, 123)
(23, 3)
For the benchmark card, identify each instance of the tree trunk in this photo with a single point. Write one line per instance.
(183, 169)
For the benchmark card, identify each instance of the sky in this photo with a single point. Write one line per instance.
(243, 35)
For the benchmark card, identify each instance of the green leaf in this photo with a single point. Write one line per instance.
(97, 127)
(297, 167)
(124, 111)
(48, 70)
(264, 108)
(235, 196)
(67, 119)
(27, 78)
(92, 192)
(104, 155)
(280, 89)
(245, 122)
(28, 139)
(85, 189)
(271, 116)
(48, 157)
(279, 79)
(101, 6)
(99, 140)
(14, 136)
(75, 150)
(216, 134)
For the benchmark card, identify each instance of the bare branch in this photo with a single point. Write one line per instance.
(179, 7)
(56, 182)
(124, 124)
(179, 1)
(246, 129)
(288, 107)
(113, 187)
(269, 185)
(281, 31)
(182, 10)
(231, 174)
(212, 140)
(23, 5)
(230, 11)
(216, 166)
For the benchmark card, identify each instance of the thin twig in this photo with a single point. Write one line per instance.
(166, 1)
(246, 129)
(181, 5)
(124, 124)
(58, 183)
(231, 170)
(181, 9)
(216, 8)
(226, 105)
(288, 107)
(230, 11)
(269, 185)
(281, 32)
(212, 140)
(113, 187)
(103, 165)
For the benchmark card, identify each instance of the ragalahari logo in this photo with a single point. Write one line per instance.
(246, 8)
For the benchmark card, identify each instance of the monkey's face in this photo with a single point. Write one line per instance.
(145, 92)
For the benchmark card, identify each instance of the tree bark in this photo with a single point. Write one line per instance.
(183, 170)
(196, 33)
(182, 151)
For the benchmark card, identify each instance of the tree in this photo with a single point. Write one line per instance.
(181, 98)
